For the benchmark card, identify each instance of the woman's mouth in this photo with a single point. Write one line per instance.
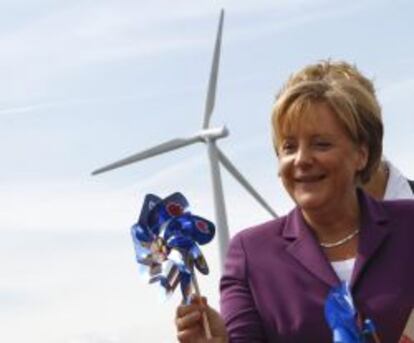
(309, 178)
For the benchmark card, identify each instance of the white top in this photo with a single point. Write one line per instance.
(397, 185)
(344, 269)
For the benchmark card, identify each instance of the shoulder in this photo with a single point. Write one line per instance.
(384, 210)
(399, 213)
(400, 206)
(251, 247)
(261, 233)
(254, 244)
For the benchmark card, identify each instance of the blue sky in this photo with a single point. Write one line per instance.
(85, 83)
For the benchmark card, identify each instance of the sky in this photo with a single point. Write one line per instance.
(85, 83)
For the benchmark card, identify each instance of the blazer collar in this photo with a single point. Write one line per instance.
(375, 228)
(305, 248)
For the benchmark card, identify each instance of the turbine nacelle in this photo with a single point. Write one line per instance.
(213, 133)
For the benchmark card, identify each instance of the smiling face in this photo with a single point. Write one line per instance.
(318, 162)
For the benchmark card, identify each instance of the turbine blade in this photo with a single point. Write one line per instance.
(212, 85)
(156, 150)
(239, 177)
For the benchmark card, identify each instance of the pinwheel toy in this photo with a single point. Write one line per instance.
(166, 240)
(341, 316)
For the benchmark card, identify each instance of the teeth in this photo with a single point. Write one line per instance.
(309, 179)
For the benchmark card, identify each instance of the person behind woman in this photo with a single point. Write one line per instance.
(328, 140)
(389, 183)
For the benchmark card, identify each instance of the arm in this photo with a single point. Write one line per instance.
(238, 308)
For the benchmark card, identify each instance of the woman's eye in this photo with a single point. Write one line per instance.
(288, 147)
(323, 145)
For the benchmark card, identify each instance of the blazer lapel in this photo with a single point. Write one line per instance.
(373, 233)
(305, 249)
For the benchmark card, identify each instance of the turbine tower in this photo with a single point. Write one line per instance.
(208, 136)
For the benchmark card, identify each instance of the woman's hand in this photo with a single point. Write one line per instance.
(189, 323)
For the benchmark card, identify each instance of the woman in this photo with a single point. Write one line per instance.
(387, 182)
(328, 139)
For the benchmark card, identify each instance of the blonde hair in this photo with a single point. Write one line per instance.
(335, 70)
(347, 92)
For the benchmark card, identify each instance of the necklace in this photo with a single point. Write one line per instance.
(341, 241)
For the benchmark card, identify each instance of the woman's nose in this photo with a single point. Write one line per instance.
(303, 156)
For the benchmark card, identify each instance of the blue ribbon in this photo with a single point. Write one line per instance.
(166, 238)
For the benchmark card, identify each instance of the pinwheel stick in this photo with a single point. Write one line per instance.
(206, 324)
(376, 338)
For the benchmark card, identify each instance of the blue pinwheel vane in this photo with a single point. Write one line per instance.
(343, 319)
(167, 238)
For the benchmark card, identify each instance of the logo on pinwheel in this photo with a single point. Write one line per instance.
(167, 238)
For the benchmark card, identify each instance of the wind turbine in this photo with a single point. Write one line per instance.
(209, 136)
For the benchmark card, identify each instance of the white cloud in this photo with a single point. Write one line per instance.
(27, 108)
(71, 38)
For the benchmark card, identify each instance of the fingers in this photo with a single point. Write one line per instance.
(189, 319)
(196, 303)
(190, 334)
(202, 301)
(188, 323)
(183, 310)
(196, 299)
(188, 316)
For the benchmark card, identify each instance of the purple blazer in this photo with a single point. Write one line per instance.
(277, 278)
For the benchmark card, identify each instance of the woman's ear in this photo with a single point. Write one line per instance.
(363, 157)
